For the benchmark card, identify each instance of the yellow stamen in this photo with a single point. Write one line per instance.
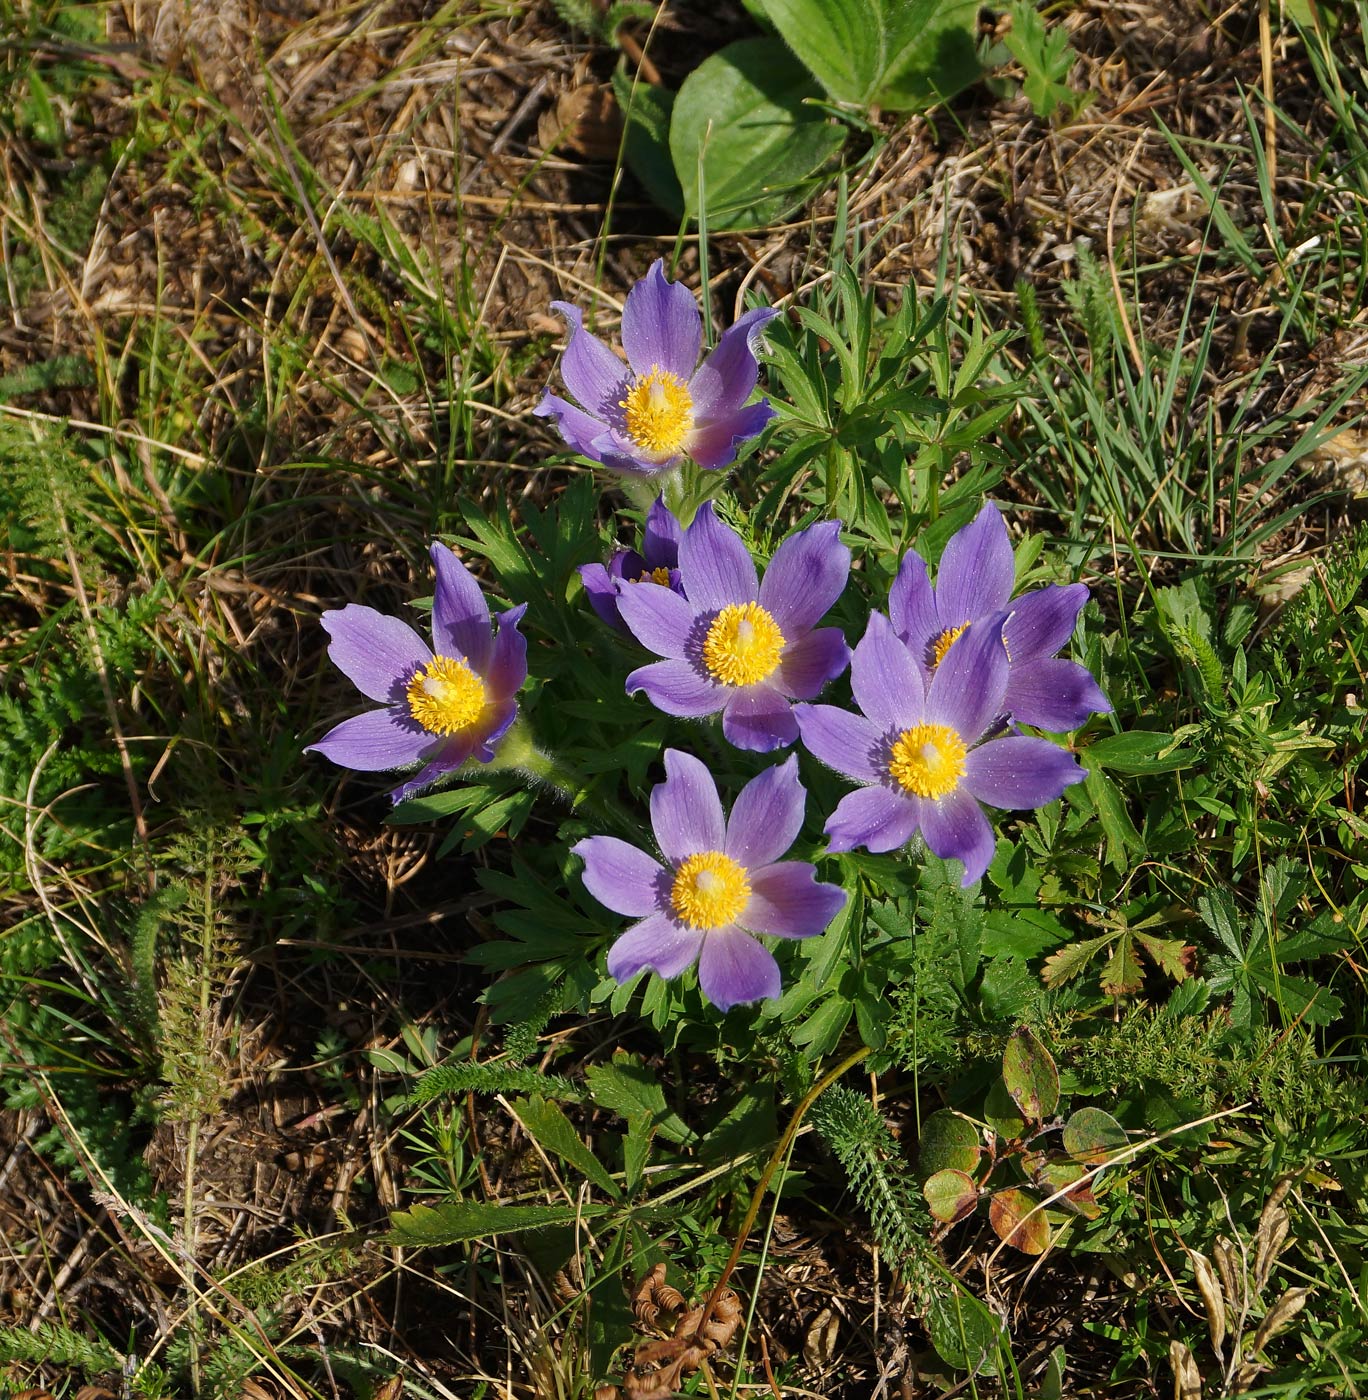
(710, 889)
(928, 760)
(446, 696)
(660, 575)
(659, 413)
(944, 642)
(743, 645)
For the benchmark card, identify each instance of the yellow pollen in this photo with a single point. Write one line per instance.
(928, 760)
(710, 889)
(743, 645)
(659, 415)
(446, 696)
(660, 575)
(944, 642)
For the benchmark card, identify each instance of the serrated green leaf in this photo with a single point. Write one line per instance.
(455, 1222)
(556, 1135)
(629, 1088)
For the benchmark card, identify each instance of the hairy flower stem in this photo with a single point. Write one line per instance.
(781, 1150)
(541, 771)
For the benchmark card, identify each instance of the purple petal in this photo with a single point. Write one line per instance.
(956, 829)
(676, 688)
(968, 686)
(886, 682)
(592, 373)
(805, 577)
(377, 654)
(714, 442)
(759, 718)
(1041, 622)
(661, 537)
(876, 818)
(508, 664)
(601, 591)
(494, 723)
(619, 876)
(657, 617)
(849, 743)
(580, 429)
(616, 450)
(1053, 694)
(685, 812)
(661, 325)
(453, 753)
(976, 571)
(460, 615)
(912, 605)
(657, 942)
(727, 378)
(376, 741)
(626, 563)
(767, 815)
(733, 968)
(1020, 772)
(810, 662)
(787, 902)
(715, 567)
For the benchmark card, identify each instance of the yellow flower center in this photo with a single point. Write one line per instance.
(660, 575)
(659, 415)
(928, 760)
(743, 645)
(944, 642)
(446, 696)
(710, 889)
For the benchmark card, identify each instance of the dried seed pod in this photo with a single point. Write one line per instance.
(563, 1288)
(1271, 1239)
(1279, 1315)
(1232, 1274)
(670, 1299)
(644, 1305)
(1209, 1286)
(1245, 1377)
(1187, 1379)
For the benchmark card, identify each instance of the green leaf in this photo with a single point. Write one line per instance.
(1137, 751)
(647, 111)
(455, 1222)
(1001, 1113)
(629, 1088)
(557, 1136)
(899, 54)
(951, 1195)
(740, 116)
(948, 1141)
(1029, 1072)
(1093, 1136)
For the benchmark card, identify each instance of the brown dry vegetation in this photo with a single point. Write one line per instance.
(338, 227)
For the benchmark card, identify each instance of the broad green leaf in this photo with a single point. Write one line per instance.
(740, 117)
(1001, 1112)
(950, 1194)
(636, 1149)
(1053, 1176)
(1028, 1071)
(1093, 1136)
(454, 1222)
(647, 110)
(557, 1136)
(1016, 1220)
(629, 1088)
(948, 1141)
(899, 54)
(1137, 751)
(964, 1333)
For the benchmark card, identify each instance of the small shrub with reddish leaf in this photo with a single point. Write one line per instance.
(1007, 1159)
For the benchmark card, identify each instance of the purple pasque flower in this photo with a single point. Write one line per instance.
(975, 580)
(720, 884)
(926, 753)
(440, 704)
(658, 562)
(642, 417)
(734, 644)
